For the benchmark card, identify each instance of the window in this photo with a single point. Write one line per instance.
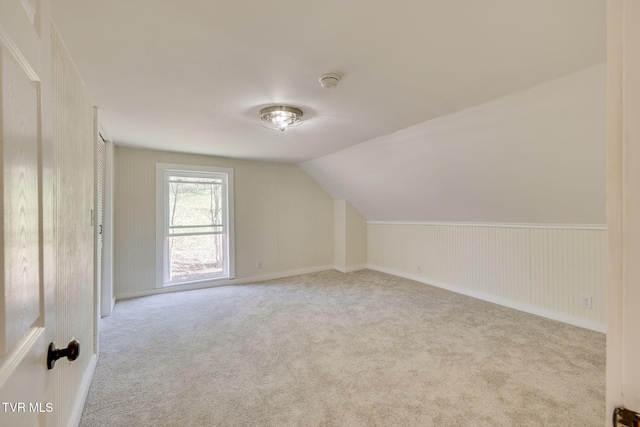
(194, 224)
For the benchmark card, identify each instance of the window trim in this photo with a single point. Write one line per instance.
(161, 168)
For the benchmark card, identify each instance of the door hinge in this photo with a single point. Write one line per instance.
(623, 417)
(92, 217)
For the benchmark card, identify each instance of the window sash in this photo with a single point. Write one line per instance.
(218, 179)
(197, 277)
(210, 233)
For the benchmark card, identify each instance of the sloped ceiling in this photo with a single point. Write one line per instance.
(191, 75)
(461, 110)
(536, 156)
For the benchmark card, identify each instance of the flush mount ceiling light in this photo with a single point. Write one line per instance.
(280, 117)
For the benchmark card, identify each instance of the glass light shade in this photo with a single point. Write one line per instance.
(280, 117)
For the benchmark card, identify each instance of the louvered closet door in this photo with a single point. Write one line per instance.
(100, 175)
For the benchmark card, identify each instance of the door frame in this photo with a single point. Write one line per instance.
(623, 206)
(106, 296)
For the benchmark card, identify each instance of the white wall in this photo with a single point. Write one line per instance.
(536, 156)
(339, 234)
(350, 237)
(355, 238)
(282, 217)
(544, 271)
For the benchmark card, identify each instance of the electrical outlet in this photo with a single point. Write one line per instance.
(259, 264)
(585, 301)
(419, 269)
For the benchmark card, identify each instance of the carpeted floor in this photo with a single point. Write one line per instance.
(333, 349)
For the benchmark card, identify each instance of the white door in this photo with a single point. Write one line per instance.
(46, 231)
(25, 296)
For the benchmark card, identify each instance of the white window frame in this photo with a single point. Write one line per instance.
(162, 171)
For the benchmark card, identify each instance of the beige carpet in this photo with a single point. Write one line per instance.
(333, 349)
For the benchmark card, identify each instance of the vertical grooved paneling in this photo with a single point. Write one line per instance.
(546, 269)
(282, 217)
(73, 151)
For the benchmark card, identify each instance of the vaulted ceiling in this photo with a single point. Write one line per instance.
(191, 75)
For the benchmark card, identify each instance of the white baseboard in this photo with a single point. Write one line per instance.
(495, 224)
(594, 326)
(350, 269)
(223, 282)
(81, 397)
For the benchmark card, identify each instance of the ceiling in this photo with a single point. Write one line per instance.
(537, 156)
(191, 75)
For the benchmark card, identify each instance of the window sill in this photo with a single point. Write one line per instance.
(192, 282)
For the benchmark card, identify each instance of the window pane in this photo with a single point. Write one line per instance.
(194, 203)
(197, 224)
(195, 257)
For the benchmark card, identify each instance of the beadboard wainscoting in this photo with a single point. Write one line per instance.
(541, 269)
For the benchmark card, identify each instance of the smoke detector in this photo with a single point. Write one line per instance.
(329, 81)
